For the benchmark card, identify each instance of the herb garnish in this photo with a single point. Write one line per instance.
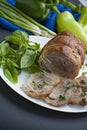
(84, 93)
(83, 81)
(62, 97)
(35, 83)
(45, 82)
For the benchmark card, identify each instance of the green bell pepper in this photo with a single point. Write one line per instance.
(37, 9)
(65, 21)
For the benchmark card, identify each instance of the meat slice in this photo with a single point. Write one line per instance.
(62, 94)
(57, 96)
(63, 55)
(40, 85)
(82, 80)
(74, 95)
(57, 91)
(67, 92)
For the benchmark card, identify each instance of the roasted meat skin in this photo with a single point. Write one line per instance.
(63, 55)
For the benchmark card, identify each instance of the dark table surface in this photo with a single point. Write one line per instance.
(17, 113)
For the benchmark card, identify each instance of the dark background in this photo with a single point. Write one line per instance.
(17, 113)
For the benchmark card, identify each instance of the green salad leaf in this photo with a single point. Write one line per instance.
(19, 38)
(28, 58)
(11, 74)
(18, 53)
(3, 49)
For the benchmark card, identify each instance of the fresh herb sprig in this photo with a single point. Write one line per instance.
(17, 54)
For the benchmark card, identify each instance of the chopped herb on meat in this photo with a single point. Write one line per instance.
(83, 81)
(84, 93)
(62, 97)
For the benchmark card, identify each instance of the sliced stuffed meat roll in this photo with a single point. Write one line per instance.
(40, 84)
(63, 55)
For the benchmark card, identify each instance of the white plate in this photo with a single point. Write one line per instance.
(23, 78)
(83, 2)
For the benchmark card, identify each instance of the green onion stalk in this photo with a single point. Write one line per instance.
(17, 17)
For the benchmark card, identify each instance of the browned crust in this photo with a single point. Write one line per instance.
(68, 45)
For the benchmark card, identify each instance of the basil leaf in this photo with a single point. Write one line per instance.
(19, 38)
(34, 68)
(3, 49)
(11, 74)
(18, 53)
(28, 58)
(10, 63)
(34, 46)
